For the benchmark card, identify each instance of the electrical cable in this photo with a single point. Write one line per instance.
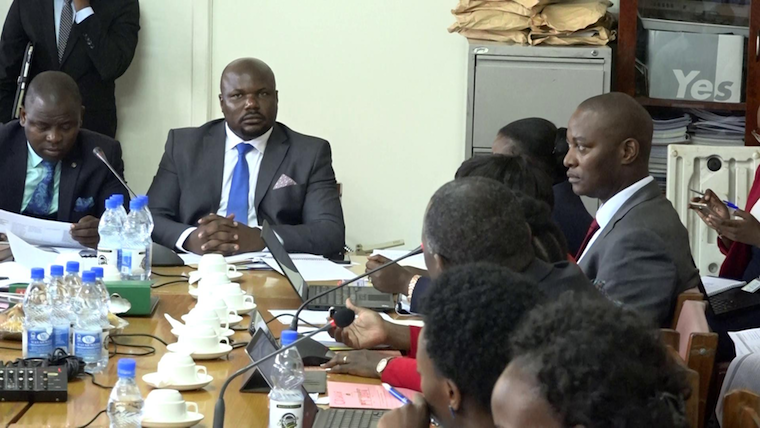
(96, 383)
(93, 419)
(178, 281)
(168, 276)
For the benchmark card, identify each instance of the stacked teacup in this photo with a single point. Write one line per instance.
(165, 407)
(178, 371)
(202, 343)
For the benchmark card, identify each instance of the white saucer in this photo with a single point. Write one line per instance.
(220, 351)
(246, 309)
(227, 333)
(195, 276)
(153, 379)
(191, 419)
(192, 291)
(234, 320)
(234, 275)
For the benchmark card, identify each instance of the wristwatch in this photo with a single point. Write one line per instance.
(382, 365)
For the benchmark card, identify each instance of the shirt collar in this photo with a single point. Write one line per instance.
(260, 143)
(34, 158)
(608, 210)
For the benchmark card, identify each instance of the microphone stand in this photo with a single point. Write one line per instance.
(98, 152)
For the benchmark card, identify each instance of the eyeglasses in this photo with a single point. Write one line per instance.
(756, 135)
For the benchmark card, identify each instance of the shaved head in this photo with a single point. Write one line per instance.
(54, 88)
(248, 97)
(609, 139)
(248, 65)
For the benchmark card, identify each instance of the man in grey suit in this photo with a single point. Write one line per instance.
(217, 183)
(637, 249)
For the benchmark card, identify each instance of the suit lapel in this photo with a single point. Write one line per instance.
(19, 152)
(73, 39)
(646, 193)
(48, 25)
(70, 168)
(213, 150)
(277, 148)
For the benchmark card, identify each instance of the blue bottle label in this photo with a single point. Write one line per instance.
(87, 345)
(61, 337)
(39, 343)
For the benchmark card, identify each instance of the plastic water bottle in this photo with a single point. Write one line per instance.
(73, 282)
(135, 244)
(125, 403)
(87, 341)
(145, 211)
(37, 337)
(105, 304)
(119, 198)
(60, 312)
(109, 230)
(286, 397)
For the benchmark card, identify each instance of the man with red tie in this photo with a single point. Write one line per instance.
(637, 250)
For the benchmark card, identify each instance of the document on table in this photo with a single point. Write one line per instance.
(344, 395)
(746, 341)
(402, 321)
(714, 285)
(417, 261)
(315, 269)
(312, 317)
(37, 231)
(31, 256)
(324, 338)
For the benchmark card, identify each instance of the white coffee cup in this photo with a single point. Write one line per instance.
(214, 263)
(238, 301)
(200, 339)
(167, 405)
(206, 318)
(217, 290)
(179, 368)
(218, 304)
(227, 289)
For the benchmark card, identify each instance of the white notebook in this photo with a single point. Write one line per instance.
(714, 285)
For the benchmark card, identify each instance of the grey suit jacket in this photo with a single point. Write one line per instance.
(188, 185)
(642, 258)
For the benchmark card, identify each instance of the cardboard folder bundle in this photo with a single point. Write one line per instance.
(535, 22)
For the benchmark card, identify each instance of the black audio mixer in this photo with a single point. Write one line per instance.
(33, 384)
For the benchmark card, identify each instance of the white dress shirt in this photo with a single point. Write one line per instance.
(79, 15)
(608, 210)
(253, 157)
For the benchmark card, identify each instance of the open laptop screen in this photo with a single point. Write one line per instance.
(284, 261)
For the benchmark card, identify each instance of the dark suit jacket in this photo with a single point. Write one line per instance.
(642, 258)
(98, 51)
(188, 186)
(553, 279)
(83, 176)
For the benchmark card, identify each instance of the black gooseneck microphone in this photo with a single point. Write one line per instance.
(342, 318)
(294, 323)
(98, 152)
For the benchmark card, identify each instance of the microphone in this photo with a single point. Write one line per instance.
(294, 322)
(100, 155)
(342, 318)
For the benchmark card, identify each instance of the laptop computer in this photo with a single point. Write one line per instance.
(367, 297)
(733, 300)
(262, 345)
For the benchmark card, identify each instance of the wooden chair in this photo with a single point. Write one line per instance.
(692, 378)
(697, 346)
(741, 409)
(743, 374)
(690, 294)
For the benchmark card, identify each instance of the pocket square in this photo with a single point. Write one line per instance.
(284, 181)
(84, 204)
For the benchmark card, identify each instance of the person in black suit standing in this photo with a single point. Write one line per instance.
(93, 41)
(49, 170)
(217, 183)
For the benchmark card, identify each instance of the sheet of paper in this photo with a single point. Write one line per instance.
(311, 317)
(402, 321)
(194, 259)
(715, 285)
(417, 261)
(323, 337)
(31, 256)
(344, 395)
(746, 341)
(36, 231)
(315, 270)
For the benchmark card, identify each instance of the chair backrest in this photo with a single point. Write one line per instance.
(692, 378)
(690, 294)
(743, 374)
(741, 409)
(697, 347)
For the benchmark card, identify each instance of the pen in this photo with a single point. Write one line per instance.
(400, 397)
(728, 203)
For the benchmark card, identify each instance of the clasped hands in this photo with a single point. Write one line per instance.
(223, 235)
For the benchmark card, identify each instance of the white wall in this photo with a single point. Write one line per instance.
(382, 81)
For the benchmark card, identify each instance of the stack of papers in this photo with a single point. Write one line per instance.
(417, 261)
(716, 130)
(314, 268)
(746, 341)
(344, 395)
(715, 285)
(669, 130)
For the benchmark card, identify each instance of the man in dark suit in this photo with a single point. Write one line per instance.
(49, 170)
(93, 41)
(637, 249)
(217, 183)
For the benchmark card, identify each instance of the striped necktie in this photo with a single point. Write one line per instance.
(67, 20)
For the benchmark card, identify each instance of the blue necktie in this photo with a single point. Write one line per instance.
(238, 201)
(42, 197)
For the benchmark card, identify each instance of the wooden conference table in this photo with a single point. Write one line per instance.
(270, 290)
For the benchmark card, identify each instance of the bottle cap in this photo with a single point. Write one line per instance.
(118, 197)
(288, 337)
(135, 204)
(98, 271)
(38, 273)
(126, 367)
(72, 267)
(88, 276)
(144, 199)
(111, 204)
(56, 270)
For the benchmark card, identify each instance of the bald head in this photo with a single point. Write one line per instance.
(248, 97)
(54, 88)
(609, 140)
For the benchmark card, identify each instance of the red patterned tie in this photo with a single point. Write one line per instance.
(591, 231)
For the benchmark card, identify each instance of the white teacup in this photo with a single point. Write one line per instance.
(167, 405)
(206, 318)
(228, 289)
(218, 289)
(179, 368)
(238, 301)
(200, 340)
(214, 263)
(218, 304)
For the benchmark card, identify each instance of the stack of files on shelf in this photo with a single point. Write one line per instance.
(666, 131)
(710, 129)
